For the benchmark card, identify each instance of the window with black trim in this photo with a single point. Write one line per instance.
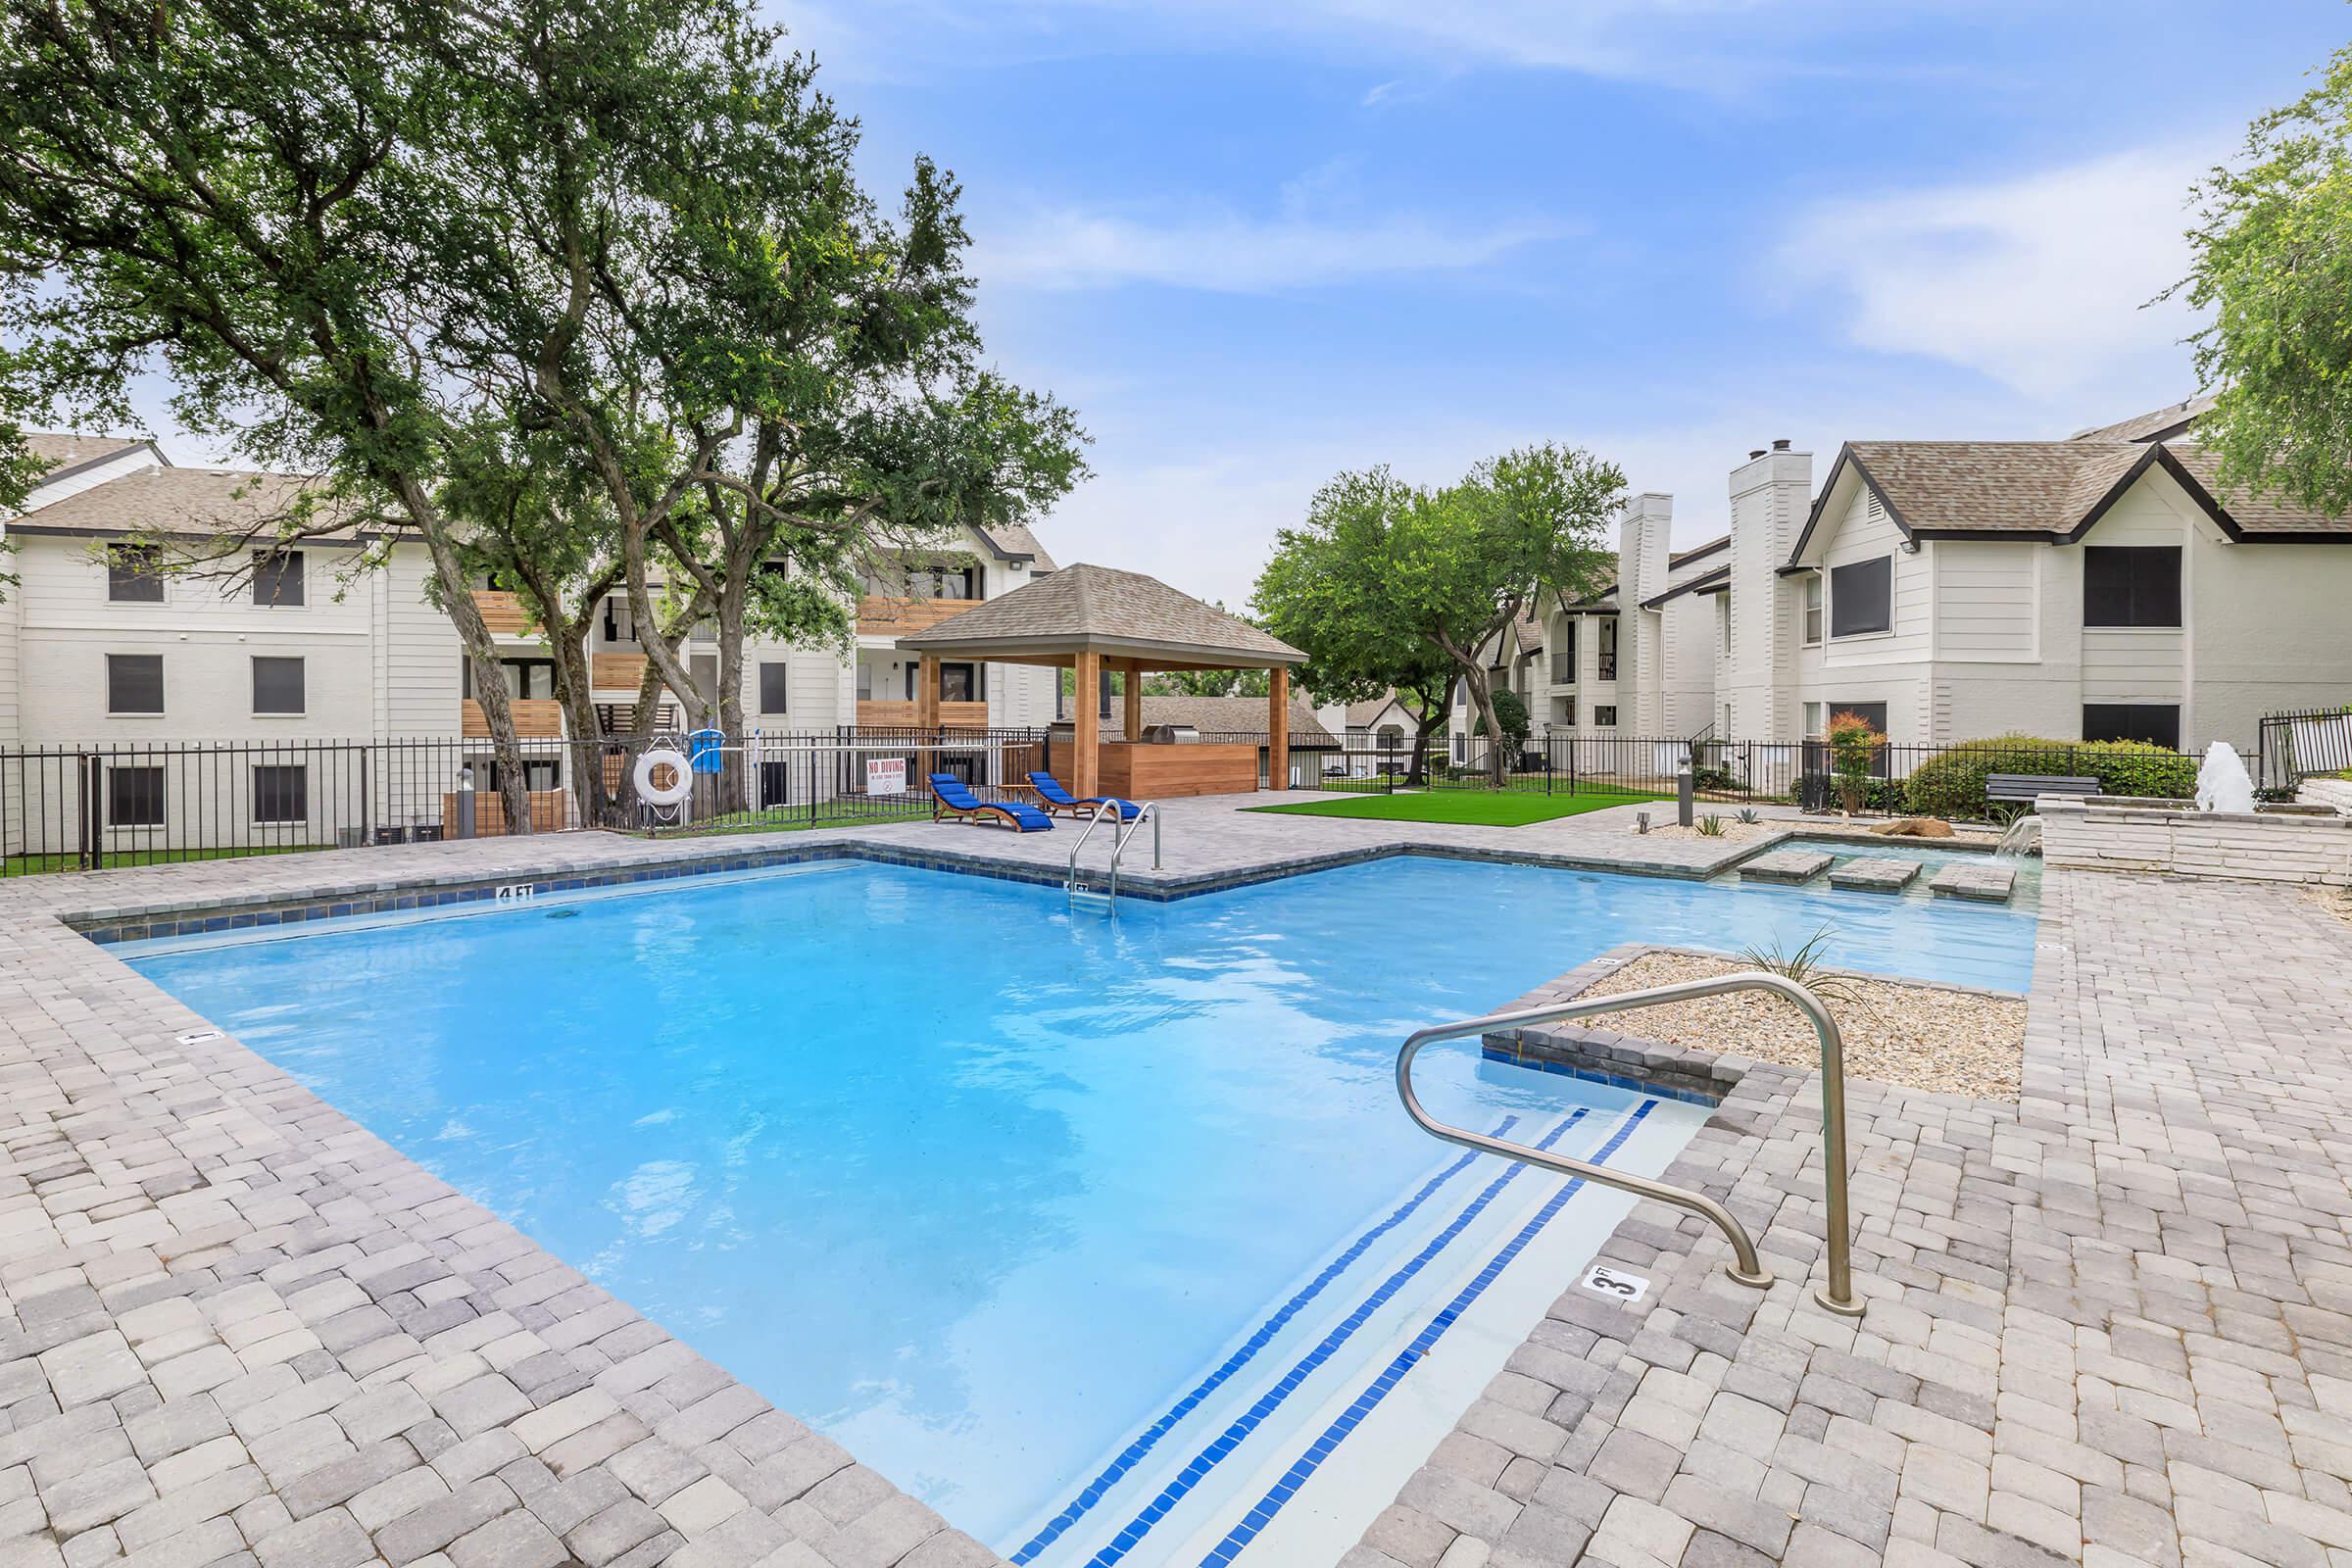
(1609, 651)
(1812, 609)
(281, 792)
(2131, 585)
(2151, 723)
(774, 687)
(278, 686)
(134, 574)
(527, 679)
(959, 683)
(134, 797)
(1862, 598)
(277, 579)
(1604, 717)
(134, 683)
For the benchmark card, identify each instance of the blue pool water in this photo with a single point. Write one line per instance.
(989, 1187)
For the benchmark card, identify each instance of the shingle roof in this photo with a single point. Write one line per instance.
(1530, 635)
(1015, 542)
(2157, 424)
(2048, 489)
(1684, 558)
(61, 450)
(1217, 715)
(1097, 605)
(1691, 585)
(1360, 713)
(163, 500)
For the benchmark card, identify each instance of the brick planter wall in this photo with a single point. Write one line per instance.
(2336, 791)
(2236, 845)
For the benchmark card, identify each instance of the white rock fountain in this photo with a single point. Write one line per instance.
(2222, 783)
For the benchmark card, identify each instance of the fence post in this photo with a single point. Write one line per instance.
(92, 855)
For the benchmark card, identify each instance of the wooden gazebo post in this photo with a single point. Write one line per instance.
(1085, 731)
(1278, 727)
(1133, 717)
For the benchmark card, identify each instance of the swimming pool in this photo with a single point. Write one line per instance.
(1106, 1236)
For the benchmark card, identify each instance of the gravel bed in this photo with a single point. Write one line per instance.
(1733, 830)
(1915, 1037)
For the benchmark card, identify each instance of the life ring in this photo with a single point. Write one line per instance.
(681, 781)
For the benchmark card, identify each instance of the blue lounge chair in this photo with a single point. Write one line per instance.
(952, 797)
(1049, 789)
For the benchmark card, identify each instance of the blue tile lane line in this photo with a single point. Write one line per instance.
(1133, 1453)
(1209, 1457)
(1364, 1405)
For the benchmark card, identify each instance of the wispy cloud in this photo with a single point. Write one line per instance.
(1225, 252)
(2037, 280)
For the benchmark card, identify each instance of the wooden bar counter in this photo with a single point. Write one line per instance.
(1147, 772)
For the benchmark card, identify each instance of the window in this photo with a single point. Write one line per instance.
(2154, 724)
(865, 682)
(1565, 708)
(1608, 652)
(134, 797)
(281, 792)
(134, 683)
(1812, 609)
(1563, 654)
(1872, 713)
(1816, 722)
(276, 685)
(1604, 717)
(774, 683)
(2131, 585)
(617, 627)
(277, 578)
(963, 583)
(1862, 598)
(527, 679)
(134, 574)
(539, 776)
(959, 683)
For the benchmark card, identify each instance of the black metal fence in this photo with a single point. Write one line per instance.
(89, 807)
(2313, 743)
(1940, 780)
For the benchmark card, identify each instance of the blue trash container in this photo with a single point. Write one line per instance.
(704, 752)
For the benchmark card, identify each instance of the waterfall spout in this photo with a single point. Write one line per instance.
(2024, 838)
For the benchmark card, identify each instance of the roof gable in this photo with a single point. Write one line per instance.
(1098, 604)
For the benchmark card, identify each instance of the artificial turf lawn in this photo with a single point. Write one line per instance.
(1474, 808)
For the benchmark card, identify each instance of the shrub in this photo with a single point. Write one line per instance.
(1952, 783)
(1854, 748)
(1510, 711)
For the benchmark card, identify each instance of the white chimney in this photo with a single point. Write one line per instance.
(1771, 494)
(1644, 530)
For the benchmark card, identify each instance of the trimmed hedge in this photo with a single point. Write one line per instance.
(1952, 783)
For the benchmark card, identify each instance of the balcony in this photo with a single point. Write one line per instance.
(616, 673)
(535, 718)
(901, 716)
(901, 617)
(503, 613)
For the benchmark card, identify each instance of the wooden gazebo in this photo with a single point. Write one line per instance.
(1093, 620)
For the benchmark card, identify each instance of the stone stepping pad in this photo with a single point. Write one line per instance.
(1875, 875)
(1784, 865)
(1985, 884)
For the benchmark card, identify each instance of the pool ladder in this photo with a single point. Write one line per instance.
(1837, 1294)
(1121, 835)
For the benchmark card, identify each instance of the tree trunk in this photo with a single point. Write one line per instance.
(575, 688)
(1427, 724)
(489, 672)
(731, 781)
(1482, 697)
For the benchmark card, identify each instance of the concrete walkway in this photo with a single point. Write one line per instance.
(2109, 1325)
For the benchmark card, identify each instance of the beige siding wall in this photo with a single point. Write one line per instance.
(1987, 601)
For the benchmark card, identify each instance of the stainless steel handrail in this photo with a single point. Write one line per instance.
(1838, 1294)
(1106, 808)
(1120, 836)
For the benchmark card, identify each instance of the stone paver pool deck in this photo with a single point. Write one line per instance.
(2111, 1324)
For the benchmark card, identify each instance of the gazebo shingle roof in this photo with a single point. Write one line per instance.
(1085, 605)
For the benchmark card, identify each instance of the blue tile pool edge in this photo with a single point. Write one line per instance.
(115, 926)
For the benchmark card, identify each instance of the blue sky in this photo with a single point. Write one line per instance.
(1256, 243)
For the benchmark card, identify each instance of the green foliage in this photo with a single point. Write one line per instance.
(1951, 784)
(1803, 966)
(1710, 826)
(1208, 683)
(1510, 711)
(2271, 259)
(1854, 749)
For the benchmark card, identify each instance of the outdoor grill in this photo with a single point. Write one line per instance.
(1171, 735)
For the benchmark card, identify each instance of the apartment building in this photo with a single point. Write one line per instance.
(338, 639)
(2097, 588)
(1634, 660)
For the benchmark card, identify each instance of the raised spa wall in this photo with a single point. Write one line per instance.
(2135, 835)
